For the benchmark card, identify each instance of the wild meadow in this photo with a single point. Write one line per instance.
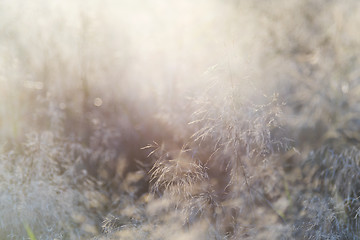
(196, 120)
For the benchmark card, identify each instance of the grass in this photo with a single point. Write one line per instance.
(179, 120)
(29, 232)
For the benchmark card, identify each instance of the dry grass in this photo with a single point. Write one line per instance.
(251, 108)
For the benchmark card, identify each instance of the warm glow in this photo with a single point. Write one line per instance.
(179, 119)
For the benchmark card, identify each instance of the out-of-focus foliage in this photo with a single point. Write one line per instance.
(201, 119)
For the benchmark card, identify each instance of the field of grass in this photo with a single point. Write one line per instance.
(194, 119)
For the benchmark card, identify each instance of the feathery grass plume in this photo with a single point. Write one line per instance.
(184, 182)
(244, 136)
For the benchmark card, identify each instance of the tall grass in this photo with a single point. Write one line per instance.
(186, 120)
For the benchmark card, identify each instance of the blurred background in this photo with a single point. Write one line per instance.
(86, 85)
